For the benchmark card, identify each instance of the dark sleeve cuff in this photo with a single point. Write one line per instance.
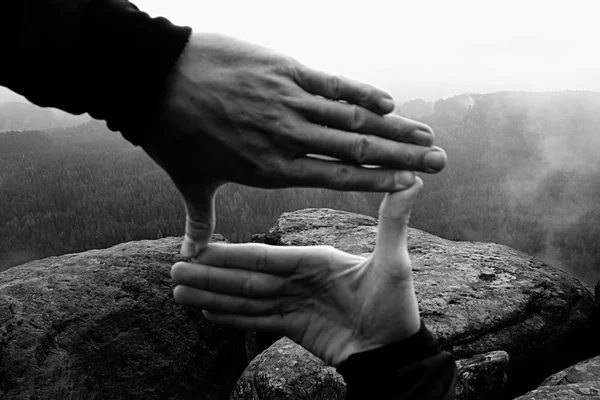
(133, 56)
(103, 57)
(410, 369)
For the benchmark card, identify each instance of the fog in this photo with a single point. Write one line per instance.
(523, 170)
(419, 49)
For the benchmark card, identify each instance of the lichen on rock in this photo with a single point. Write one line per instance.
(103, 325)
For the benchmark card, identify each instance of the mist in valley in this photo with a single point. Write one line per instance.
(524, 171)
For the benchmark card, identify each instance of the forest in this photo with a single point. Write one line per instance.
(523, 171)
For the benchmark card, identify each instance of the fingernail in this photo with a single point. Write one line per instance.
(422, 138)
(435, 160)
(404, 179)
(387, 105)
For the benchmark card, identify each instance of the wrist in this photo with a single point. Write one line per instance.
(419, 345)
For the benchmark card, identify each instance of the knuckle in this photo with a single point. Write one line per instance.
(247, 286)
(343, 177)
(363, 94)
(361, 149)
(272, 167)
(357, 117)
(408, 157)
(262, 260)
(334, 87)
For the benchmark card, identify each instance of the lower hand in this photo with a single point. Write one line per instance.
(237, 112)
(330, 302)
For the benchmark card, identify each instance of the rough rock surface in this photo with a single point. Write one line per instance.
(588, 391)
(287, 371)
(475, 297)
(584, 371)
(581, 380)
(103, 325)
(482, 376)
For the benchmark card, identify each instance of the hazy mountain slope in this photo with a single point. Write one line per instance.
(524, 170)
(26, 116)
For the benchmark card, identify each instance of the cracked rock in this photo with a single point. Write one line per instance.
(103, 325)
(475, 297)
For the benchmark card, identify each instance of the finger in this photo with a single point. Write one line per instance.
(373, 150)
(200, 217)
(236, 282)
(223, 303)
(341, 88)
(270, 260)
(269, 323)
(350, 117)
(391, 249)
(317, 172)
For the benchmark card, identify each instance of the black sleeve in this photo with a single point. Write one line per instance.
(103, 57)
(412, 369)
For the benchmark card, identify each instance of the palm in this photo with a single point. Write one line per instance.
(330, 302)
(335, 304)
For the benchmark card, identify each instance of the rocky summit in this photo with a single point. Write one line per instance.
(475, 297)
(103, 325)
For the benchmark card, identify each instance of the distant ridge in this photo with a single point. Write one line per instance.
(15, 116)
(459, 104)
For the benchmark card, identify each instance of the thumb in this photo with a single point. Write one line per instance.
(200, 217)
(391, 250)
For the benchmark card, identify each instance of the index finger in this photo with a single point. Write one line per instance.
(275, 260)
(336, 87)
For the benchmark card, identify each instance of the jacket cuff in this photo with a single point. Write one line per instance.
(134, 55)
(413, 368)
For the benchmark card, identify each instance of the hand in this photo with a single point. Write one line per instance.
(332, 303)
(236, 112)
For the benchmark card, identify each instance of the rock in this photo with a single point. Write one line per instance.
(287, 371)
(482, 376)
(456, 106)
(103, 325)
(588, 391)
(579, 381)
(416, 108)
(475, 297)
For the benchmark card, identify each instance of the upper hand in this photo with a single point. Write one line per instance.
(237, 112)
(332, 303)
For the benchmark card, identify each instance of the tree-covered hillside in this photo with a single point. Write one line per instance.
(82, 188)
(523, 171)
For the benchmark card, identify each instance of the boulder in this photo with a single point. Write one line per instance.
(580, 381)
(103, 325)
(286, 371)
(482, 377)
(475, 297)
(587, 391)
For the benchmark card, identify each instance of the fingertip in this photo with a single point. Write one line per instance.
(435, 160)
(404, 179)
(412, 191)
(176, 270)
(191, 248)
(387, 104)
(419, 184)
(178, 294)
(399, 203)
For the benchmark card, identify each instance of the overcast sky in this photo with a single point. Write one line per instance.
(427, 49)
